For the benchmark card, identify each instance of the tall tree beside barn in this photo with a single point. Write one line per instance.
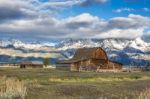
(46, 61)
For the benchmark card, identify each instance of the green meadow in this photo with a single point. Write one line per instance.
(55, 84)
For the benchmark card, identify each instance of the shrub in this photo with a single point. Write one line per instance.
(46, 62)
(12, 88)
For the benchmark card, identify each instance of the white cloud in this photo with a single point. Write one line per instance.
(123, 10)
(32, 18)
(81, 26)
(90, 2)
(18, 9)
(120, 10)
(85, 17)
(146, 9)
(132, 21)
(119, 33)
(62, 3)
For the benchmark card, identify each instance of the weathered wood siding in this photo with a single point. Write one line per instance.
(98, 62)
(100, 54)
(113, 65)
(75, 66)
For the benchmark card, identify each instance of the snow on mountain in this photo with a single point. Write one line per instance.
(107, 44)
(25, 45)
(129, 52)
(138, 43)
(74, 44)
(4, 43)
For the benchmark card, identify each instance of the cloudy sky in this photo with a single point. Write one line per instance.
(60, 19)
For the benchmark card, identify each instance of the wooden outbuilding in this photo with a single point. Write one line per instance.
(89, 59)
(31, 65)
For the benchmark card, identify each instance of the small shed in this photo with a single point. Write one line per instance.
(31, 65)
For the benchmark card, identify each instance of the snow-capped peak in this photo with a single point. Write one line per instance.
(140, 44)
(25, 45)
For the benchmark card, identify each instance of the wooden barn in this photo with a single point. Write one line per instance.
(89, 59)
(31, 65)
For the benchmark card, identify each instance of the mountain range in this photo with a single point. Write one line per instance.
(126, 51)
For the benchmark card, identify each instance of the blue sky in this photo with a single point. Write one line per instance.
(107, 10)
(60, 19)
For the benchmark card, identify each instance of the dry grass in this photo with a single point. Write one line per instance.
(12, 88)
(145, 94)
(55, 84)
(98, 79)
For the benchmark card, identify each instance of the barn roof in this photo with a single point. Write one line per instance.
(26, 63)
(84, 54)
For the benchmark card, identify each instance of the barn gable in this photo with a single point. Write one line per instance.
(87, 53)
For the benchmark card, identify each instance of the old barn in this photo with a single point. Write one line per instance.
(89, 59)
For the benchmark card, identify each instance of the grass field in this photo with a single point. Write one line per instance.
(55, 84)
